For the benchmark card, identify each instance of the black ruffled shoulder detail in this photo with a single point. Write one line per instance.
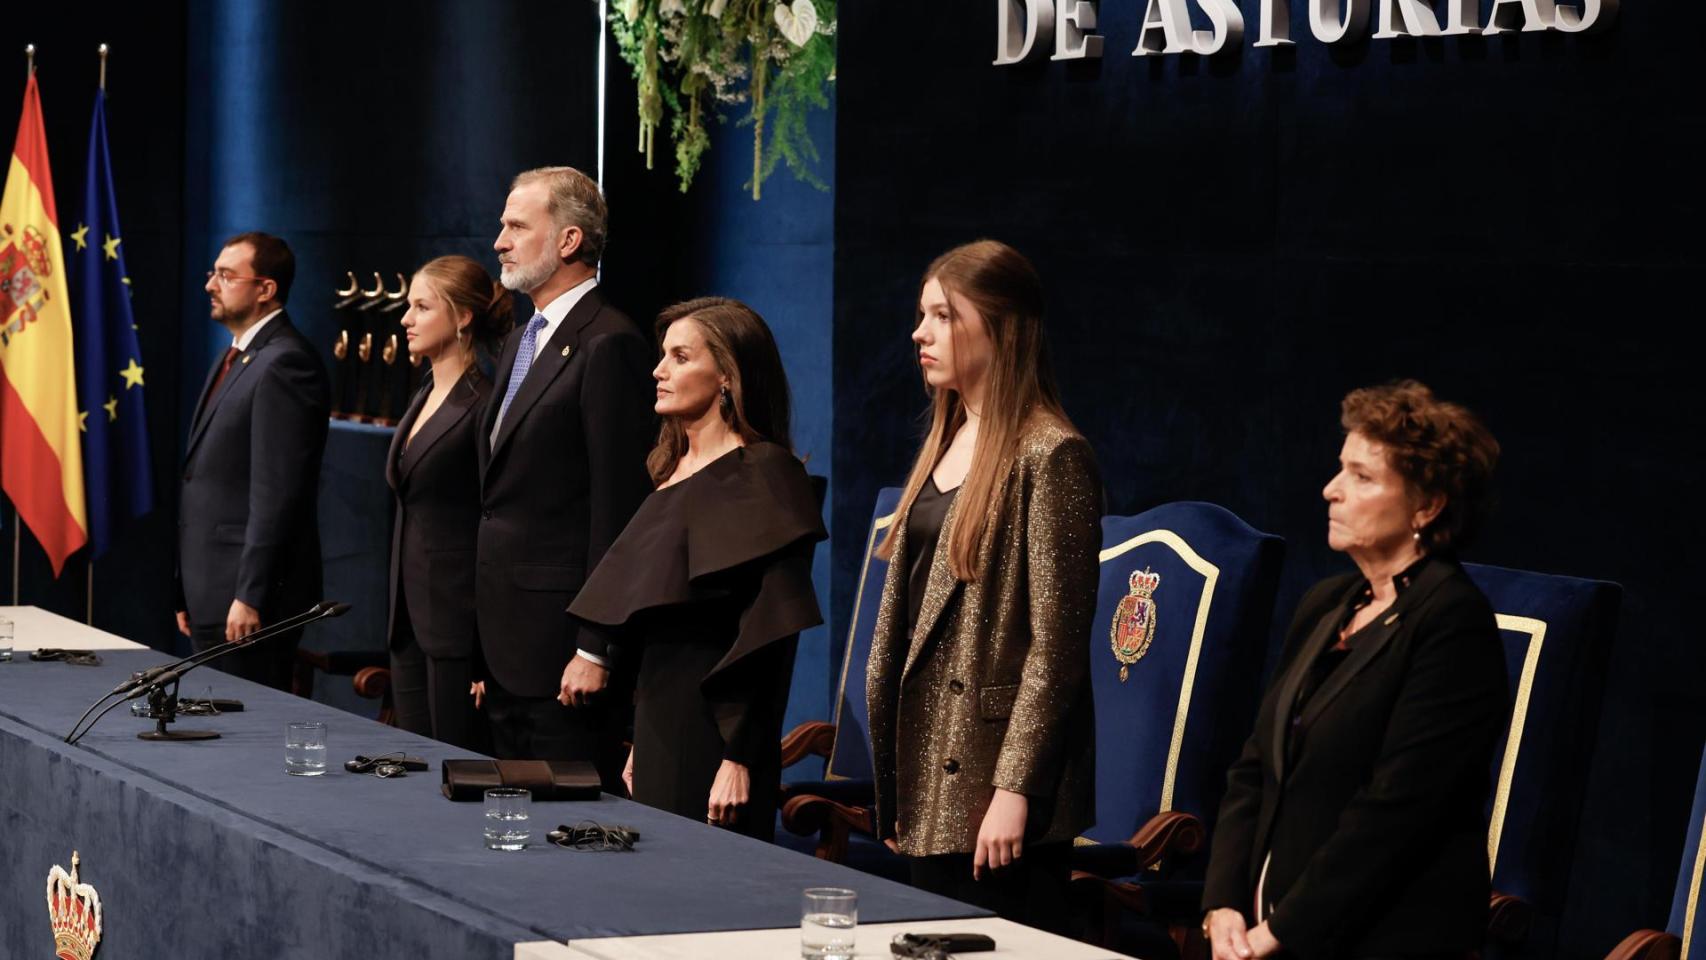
(751, 516)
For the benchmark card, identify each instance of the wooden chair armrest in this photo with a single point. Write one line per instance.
(1509, 919)
(1647, 945)
(814, 738)
(372, 682)
(833, 822)
(1170, 834)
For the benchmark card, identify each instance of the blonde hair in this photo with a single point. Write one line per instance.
(465, 285)
(1004, 288)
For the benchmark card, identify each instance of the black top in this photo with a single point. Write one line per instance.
(710, 585)
(1336, 653)
(751, 507)
(1370, 837)
(924, 529)
(435, 476)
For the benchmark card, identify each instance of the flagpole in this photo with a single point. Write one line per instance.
(17, 521)
(89, 600)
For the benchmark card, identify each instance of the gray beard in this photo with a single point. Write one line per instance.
(528, 277)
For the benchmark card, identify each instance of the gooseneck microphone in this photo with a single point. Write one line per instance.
(156, 679)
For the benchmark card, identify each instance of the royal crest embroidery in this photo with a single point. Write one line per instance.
(21, 291)
(1134, 621)
(75, 909)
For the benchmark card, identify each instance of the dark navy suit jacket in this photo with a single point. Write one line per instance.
(436, 479)
(247, 514)
(558, 484)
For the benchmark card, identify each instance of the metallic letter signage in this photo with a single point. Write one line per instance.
(1026, 29)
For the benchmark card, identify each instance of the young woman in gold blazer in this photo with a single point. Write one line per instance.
(978, 684)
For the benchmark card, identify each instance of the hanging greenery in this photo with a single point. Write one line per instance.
(694, 59)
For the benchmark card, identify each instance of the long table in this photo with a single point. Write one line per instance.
(208, 849)
(871, 940)
(34, 628)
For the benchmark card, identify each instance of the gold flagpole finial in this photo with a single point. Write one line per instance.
(103, 52)
(29, 60)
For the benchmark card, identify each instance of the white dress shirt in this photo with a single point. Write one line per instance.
(248, 337)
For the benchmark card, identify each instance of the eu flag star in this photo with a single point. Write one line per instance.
(132, 374)
(83, 421)
(111, 247)
(80, 236)
(111, 407)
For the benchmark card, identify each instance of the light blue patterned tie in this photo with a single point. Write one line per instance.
(523, 363)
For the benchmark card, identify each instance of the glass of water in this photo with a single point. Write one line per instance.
(305, 749)
(506, 818)
(828, 916)
(5, 640)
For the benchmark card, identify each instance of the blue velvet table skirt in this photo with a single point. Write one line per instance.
(208, 849)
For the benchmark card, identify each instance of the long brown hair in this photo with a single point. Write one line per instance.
(465, 285)
(758, 406)
(1007, 293)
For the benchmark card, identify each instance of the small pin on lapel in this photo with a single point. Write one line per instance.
(1391, 619)
(568, 350)
(247, 357)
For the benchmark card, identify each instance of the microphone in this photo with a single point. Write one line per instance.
(145, 677)
(155, 678)
(324, 610)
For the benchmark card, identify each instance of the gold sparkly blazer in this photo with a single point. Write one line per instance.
(993, 688)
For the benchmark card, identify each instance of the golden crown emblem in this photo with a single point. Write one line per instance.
(1134, 620)
(75, 909)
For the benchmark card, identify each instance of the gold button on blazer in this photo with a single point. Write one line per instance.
(993, 688)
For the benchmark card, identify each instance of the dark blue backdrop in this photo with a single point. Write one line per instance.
(1228, 247)
(1231, 245)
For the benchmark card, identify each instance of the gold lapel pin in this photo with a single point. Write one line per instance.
(247, 357)
(1390, 620)
(568, 350)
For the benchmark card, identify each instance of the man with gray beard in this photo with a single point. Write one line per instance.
(562, 449)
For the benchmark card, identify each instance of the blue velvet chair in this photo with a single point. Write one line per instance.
(1183, 615)
(1558, 634)
(1685, 934)
(830, 818)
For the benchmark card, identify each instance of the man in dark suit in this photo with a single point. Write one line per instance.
(248, 543)
(562, 449)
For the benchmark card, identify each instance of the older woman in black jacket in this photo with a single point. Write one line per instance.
(1353, 824)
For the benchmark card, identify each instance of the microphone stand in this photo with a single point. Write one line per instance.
(153, 681)
(144, 677)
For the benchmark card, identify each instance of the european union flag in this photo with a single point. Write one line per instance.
(116, 472)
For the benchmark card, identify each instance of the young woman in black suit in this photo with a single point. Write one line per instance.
(1354, 822)
(454, 308)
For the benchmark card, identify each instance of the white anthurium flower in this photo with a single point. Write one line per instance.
(798, 22)
(669, 8)
(631, 10)
(715, 10)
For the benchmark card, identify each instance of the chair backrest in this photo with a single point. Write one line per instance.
(1558, 633)
(850, 757)
(1183, 613)
(1687, 918)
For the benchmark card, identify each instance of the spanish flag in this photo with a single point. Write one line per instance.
(41, 463)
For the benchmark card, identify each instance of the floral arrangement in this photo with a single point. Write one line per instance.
(694, 59)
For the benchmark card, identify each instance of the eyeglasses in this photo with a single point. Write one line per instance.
(226, 278)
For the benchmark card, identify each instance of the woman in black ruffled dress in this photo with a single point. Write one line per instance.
(710, 585)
